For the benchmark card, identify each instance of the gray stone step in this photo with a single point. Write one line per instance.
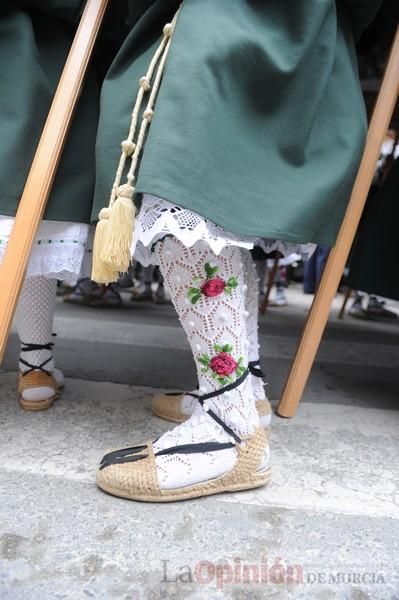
(144, 344)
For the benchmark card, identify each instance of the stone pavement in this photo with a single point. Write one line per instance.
(330, 517)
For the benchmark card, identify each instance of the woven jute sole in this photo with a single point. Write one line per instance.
(33, 380)
(192, 492)
(138, 480)
(167, 407)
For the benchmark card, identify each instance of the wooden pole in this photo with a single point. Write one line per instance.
(318, 314)
(44, 165)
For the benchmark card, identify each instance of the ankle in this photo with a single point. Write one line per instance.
(237, 409)
(36, 357)
(258, 388)
(49, 367)
(256, 377)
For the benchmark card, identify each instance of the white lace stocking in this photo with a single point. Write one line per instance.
(213, 319)
(251, 282)
(178, 470)
(34, 319)
(218, 319)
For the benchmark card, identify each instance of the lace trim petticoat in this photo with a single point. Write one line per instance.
(61, 250)
(158, 218)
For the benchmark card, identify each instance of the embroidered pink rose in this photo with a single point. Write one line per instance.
(213, 287)
(223, 364)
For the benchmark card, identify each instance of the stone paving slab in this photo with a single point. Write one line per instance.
(64, 539)
(333, 507)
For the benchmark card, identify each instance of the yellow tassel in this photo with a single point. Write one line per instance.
(118, 240)
(101, 272)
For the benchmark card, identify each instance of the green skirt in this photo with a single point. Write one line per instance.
(258, 127)
(259, 124)
(375, 254)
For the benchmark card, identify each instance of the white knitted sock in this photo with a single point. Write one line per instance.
(34, 319)
(251, 282)
(208, 292)
(261, 272)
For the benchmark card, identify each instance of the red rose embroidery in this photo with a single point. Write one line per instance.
(213, 287)
(223, 364)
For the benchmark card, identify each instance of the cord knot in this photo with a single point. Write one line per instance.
(125, 191)
(148, 114)
(128, 147)
(168, 30)
(145, 83)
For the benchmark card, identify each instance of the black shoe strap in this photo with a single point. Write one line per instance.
(34, 348)
(222, 390)
(195, 448)
(254, 369)
(136, 453)
(219, 392)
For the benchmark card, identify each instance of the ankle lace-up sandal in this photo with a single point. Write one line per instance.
(38, 388)
(133, 472)
(178, 407)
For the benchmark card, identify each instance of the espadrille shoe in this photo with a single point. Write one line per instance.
(200, 457)
(133, 472)
(39, 389)
(178, 407)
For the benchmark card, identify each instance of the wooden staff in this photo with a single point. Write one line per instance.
(44, 165)
(318, 314)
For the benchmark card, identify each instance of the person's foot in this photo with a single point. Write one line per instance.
(64, 289)
(376, 308)
(280, 298)
(89, 293)
(178, 407)
(38, 389)
(197, 458)
(108, 297)
(125, 281)
(356, 310)
(160, 296)
(142, 294)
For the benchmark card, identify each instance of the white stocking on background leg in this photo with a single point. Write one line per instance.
(208, 292)
(34, 319)
(252, 284)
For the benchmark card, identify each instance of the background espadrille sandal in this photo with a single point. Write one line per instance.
(38, 387)
(41, 382)
(154, 473)
(178, 407)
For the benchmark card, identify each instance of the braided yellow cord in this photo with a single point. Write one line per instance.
(114, 231)
(129, 148)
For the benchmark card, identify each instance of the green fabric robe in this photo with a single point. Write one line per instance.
(375, 254)
(35, 37)
(259, 124)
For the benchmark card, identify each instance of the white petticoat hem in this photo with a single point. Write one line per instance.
(158, 218)
(61, 250)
